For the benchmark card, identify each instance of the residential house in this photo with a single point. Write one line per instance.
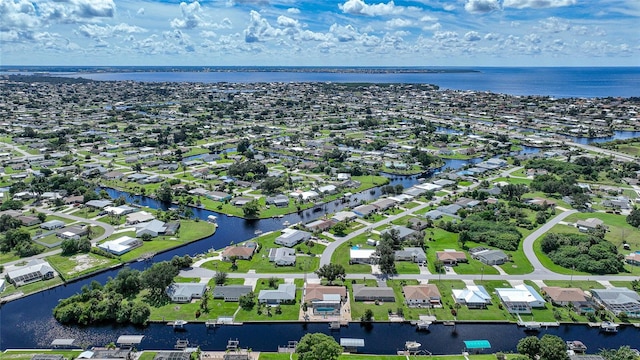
(362, 256)
(325, 300)
(384, 204)
(403, 232)
(490, 257)
(73, 232)
(231, 292)
(292, 237)
(618, 300)
(568, 296)
(34, 270)
(417, 224)
(343, 216)
(422, 295)
(239, 252)
(282, 256)
(413, 254)
(278, 200)
(98, 204)
(120, 245)
(633, 259)
(434, 214)
(152, 228)
(29, 220)
(52, 224)
(451, 257)
(589, 224)
(285, 294)
(139, 217)
(218, 196)
(320, 225)
(364, 210)
(474, 297)
(185, 292)
(520, 299)
(450, 209)
(373, 293)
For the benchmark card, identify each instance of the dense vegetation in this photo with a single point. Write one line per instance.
(500, 234)
(588, 253)
(119, 300)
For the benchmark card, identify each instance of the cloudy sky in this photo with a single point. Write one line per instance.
(316, 32)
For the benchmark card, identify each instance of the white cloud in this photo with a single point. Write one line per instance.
(344, 33)
(293, 11)
(537, 4)
(492, 36)
(359, 7)
(140, 11)
(533, 38)
(449, 7)
(428, 18)
(554, 25)
(208, 34)
(432, 27)
(472, 36)
(70, 11)
(97, 31)
(445, 35)
(259, 29)
(482, 6)
(190, 16)
(15, 16)
(285, 21)
(399, 23)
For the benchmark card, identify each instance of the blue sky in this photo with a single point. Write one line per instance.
(317, 33)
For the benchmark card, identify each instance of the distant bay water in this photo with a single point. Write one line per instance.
(557, 82)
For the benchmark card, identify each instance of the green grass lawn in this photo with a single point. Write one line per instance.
(341, 255)
(380, 311)
(289, 311)
(70, 267)
(407, 267)
(28, 354)
(447, 240)
(512, 180)
(32, 287)
(147, 355)
(580, 284)
(307, 258)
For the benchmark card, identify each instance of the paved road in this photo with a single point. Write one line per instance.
(527, 245)
(615, 154)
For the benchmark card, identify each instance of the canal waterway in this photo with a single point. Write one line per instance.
(28, 322)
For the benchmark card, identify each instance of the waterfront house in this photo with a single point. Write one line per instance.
(139, 217)
(292, 237)
(231, 292)
(520, 299)
(364, 210)
(451, 257)
(152, 228)
(618, 300)
(568, 296)
(422, 295)
(373, 293)
(279, 200)
(185, 292)
(633, 259)
(98, 204)
(34, 270)
(120, 245)
(474, 297)
(320, 225)
(285, 294)
(241, 252)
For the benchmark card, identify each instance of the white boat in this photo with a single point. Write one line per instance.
(609, 326)
(576, 346)
(412, 345)
(257, 232)
(286, 223)
(212, 218)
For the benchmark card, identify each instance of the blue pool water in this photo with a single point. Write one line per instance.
(355, 247)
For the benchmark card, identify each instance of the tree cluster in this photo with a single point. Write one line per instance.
(19, 241)
(588, 253)
(248, 170)
(502, 235)
(318, 346)
(117, 301)
(549, 347)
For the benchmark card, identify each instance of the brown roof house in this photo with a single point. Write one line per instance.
(568, 296)
(450, 257)
(325, 300)
(239, 252)
(422, 295)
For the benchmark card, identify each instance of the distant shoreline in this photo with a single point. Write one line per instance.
(41, 70)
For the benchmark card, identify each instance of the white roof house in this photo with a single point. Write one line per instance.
(35, 270)
(185, 292)
(366, 256)
(153, 228)
(139, 217)
(473, 296)
(291, 237)
(120, 245)
(520, 299)
(285, 293)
